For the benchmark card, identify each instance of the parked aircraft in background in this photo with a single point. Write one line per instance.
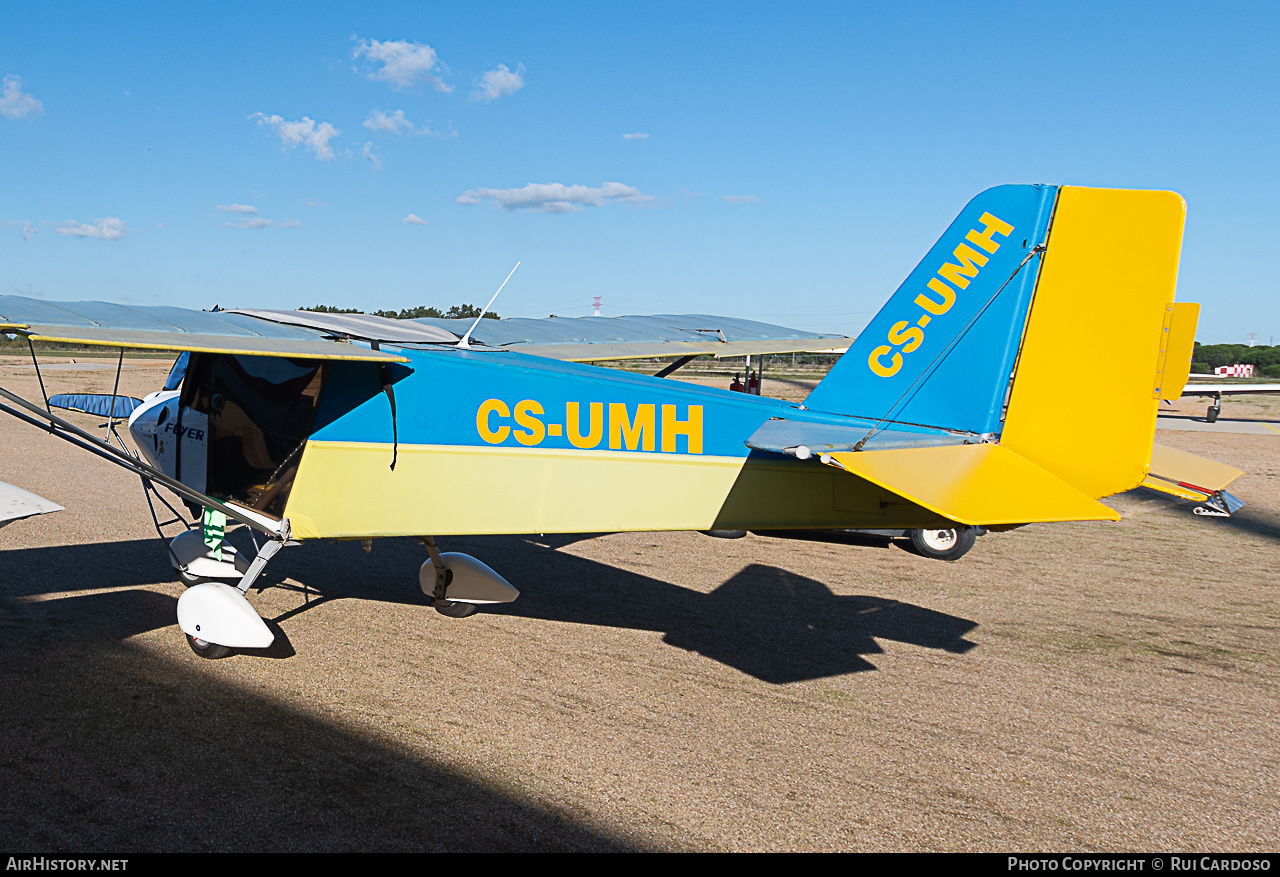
(319, 426)
(1217, 391)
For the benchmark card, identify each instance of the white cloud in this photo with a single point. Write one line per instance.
(110, 228)
(439, 135)
(740, 199)
(312, 202)
(555, 197)
(28, 229)
(635, 136)
(249, 218)
(367, 152)
(403, 63)
(305, 131)
(395, 123)
(415, 219)
(499, 82)
(380, 121)
(15, 103)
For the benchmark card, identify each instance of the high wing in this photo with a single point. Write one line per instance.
(168, 328)
(311, 335)
(576, 339)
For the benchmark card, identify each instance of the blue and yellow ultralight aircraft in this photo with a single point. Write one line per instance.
(951, 411)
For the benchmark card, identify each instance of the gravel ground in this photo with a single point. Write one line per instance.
(1070, 686)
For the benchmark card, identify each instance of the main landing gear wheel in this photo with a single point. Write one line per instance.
(454, 609)
(209, 650)
(1211, 416)
(943, 544)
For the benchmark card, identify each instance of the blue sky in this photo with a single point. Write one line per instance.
(791, 162)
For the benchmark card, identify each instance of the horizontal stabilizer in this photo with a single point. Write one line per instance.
(980, 485)
(100, 404)
(805, 438)
(1186, 475)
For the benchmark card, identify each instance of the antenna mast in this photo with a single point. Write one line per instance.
(465, 343)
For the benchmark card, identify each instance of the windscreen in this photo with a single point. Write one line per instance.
(261, 410)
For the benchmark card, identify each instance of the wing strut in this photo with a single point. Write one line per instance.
(677, 365)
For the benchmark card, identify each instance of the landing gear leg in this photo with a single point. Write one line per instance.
(444, 578)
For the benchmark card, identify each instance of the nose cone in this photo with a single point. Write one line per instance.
(147, 427)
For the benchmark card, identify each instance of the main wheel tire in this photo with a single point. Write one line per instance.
(209, 650)
(725, 534)
(943, 544)
(1211, 416)
(454, 609)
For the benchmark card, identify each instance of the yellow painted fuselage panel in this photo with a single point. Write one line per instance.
(347, 489)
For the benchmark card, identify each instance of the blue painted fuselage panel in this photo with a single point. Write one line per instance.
(500, 399)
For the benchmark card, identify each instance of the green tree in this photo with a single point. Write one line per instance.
(456, 312)
(410, 313)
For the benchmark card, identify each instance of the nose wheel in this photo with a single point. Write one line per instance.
(206, 649)
(454, 609)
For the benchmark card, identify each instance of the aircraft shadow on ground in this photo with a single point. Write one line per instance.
(1249, 519)
(109, 748)
(764, 621)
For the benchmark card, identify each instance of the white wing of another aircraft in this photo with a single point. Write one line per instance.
(1217, 391)
(16, 504)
